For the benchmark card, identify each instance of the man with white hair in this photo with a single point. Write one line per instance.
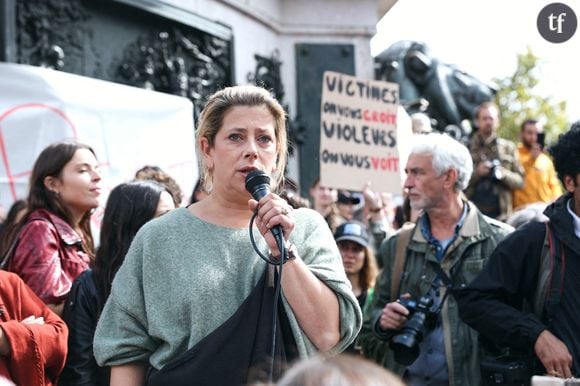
(413, 326)
(421, 123)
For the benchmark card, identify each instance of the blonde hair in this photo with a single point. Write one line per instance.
(340, 370)
(218, 105)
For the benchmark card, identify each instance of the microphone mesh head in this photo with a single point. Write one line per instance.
(256, 178)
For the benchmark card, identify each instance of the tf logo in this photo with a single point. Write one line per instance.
(557, 22)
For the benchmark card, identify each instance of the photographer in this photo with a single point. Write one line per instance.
(498, 171)
(447, 248)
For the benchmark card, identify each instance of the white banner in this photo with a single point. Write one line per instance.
(127, 127)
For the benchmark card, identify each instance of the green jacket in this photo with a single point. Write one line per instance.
(477, 239)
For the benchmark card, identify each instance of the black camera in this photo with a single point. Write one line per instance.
(542, 140)
(507, 370)
(422, 318)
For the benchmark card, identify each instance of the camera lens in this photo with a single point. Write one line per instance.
(405, 345)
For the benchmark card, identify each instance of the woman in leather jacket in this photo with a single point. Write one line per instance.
(128, 208)
(54, 245)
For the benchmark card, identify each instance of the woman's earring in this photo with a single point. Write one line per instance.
(208, 180)
(209, 185)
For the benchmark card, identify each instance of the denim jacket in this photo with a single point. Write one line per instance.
(476, 240)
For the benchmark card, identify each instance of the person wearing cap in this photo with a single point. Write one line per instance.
(347, 203)
(359, 262)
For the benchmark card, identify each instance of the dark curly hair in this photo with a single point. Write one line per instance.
(566, 153)
(155, 173)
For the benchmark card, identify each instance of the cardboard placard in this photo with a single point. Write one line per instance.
(363, 134)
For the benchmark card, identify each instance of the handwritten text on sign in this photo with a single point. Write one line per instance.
(358, 133)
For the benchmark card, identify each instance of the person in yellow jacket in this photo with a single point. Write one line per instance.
(541, 183)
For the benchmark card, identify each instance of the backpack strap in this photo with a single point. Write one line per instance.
(550, 277)
(404, 236)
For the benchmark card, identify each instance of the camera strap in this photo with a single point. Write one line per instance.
(443, 277)
(446, 279)
(404, 236)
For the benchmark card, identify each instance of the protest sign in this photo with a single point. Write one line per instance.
(362, 134)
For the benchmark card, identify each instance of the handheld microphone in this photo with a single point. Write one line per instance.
(258, 184)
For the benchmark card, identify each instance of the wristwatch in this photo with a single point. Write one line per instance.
(291, 254)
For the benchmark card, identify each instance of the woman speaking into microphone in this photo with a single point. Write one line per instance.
(195, 300)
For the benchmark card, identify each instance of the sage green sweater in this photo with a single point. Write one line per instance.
(183, 277)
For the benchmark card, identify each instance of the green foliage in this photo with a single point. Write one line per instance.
(518, 101)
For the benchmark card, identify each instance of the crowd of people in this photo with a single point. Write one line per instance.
(241, 286)
(441, 315)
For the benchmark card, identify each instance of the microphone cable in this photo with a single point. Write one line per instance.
(278, 287)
